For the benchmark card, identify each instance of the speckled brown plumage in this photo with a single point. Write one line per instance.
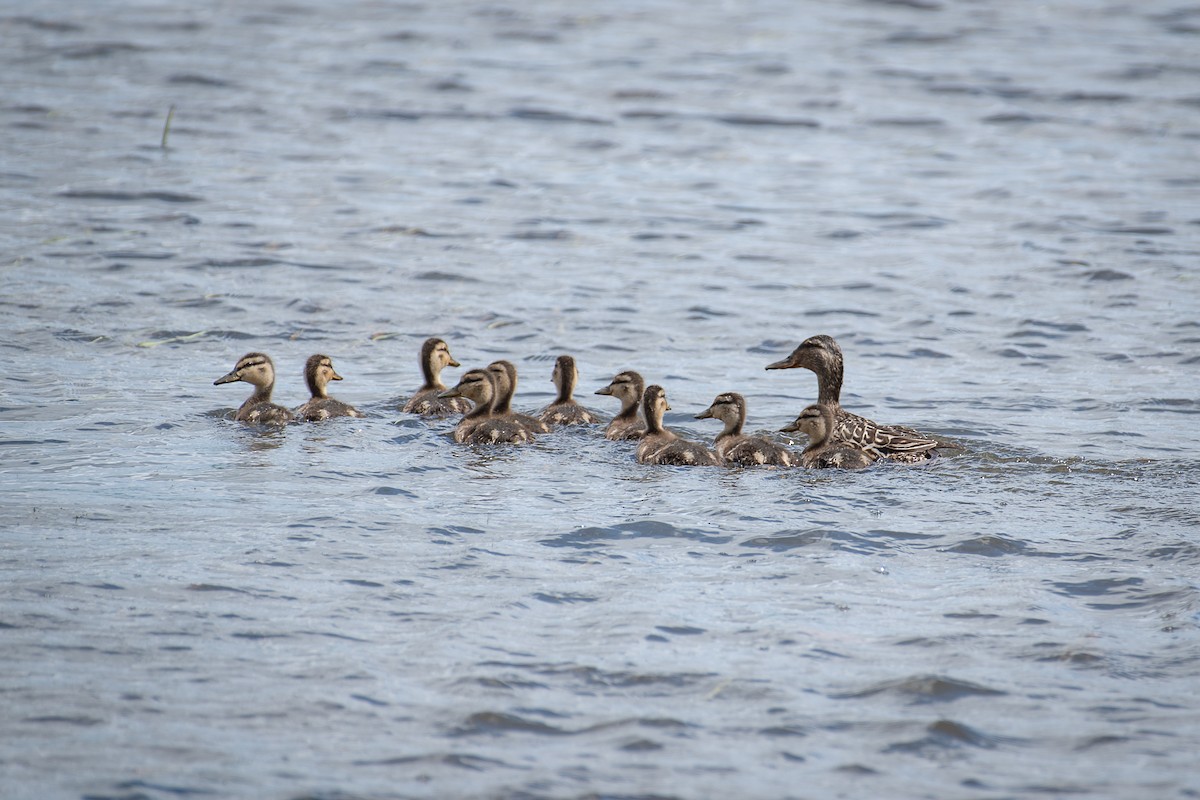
(258, 370)
(736, 448)
(626, 386)
(480, 426)
(565, 410)
(318, 372)
(426, 401)
(661, 446)
(504, 373)
(825, 450)
(823, 356)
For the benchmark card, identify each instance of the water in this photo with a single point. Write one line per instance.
(993, 207)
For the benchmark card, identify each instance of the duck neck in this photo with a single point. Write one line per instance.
(483, 408)
(315, 387)
(829, 383)
(653, 418)
(565, 391)
(432, 374)
(262, 394)
(733, 426)
(629, 408)
(502, 404)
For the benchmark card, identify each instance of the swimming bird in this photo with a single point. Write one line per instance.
(661, 446)
(479, 426)
(627, 387)
(823, 356)
(565, 410)
(318, 372)
(735, 447)
(257, 370)
(818, 422)
(435, 354)
(505, 374)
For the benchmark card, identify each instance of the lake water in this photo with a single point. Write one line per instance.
(994, 207)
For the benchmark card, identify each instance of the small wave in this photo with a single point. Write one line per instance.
(393, 491)
(915, 36)
(946, 734)
(585, 538)
(757, 120)
(467, 761)
(1177, 405)
(101, 50)
(990, 545)
(924, 689)
(563, 598)
(439, 275)
(497, 722)
(130, 197)
(64, 719)
(907, 122)
(550, 115)
(189, 79)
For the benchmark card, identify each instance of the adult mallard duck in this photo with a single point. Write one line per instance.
(661, 446)
(735, 447)
(257, 370)
(565, 410)
(627, 387)
(318, 372)
(435, 355)
(818, 422)
(823, 356)
(505, 375)
(479, 426)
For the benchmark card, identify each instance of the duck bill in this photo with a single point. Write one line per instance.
(230, 378)
(453, 363)
(705, 414)
(605, 390)
(450, 393)
(784, 363)
(335, 377)
(791, 427)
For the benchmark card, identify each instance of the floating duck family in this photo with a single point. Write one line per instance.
(837, 438)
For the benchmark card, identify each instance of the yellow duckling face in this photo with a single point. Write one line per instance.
(625, 386)
(253, 368)
(439, 353)
(725, 407)
(318, 372)
(815, 422)
(477, 385)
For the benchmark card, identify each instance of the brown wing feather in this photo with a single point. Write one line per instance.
(863, 433)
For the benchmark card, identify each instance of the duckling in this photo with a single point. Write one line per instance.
(735, 447)
(505, 373)
(661, 446)
(565, 410)
(818, 422)
(627, 387)
(257, 370)
(318, 372)
(435, 354)
(480, 426)
(823, 356)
